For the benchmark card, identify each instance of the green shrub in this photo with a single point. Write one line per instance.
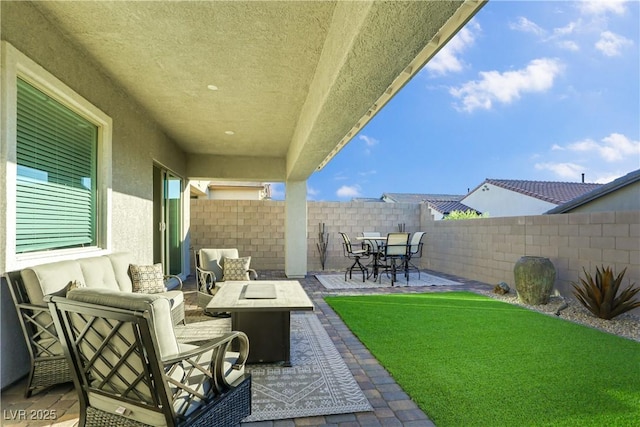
(599, 295)
(468, 214)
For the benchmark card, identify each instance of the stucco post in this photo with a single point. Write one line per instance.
(295, 229)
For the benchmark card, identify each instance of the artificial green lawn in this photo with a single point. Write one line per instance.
(468, 360)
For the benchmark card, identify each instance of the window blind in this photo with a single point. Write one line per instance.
(56, 174)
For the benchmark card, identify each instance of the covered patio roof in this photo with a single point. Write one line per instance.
(260, 90)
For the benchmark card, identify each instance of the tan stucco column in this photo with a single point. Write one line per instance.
(295, 229)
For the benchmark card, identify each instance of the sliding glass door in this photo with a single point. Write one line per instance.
(167, 219)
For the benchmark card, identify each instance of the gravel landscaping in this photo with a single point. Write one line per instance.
(626, 325)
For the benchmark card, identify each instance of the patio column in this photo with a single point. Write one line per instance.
(295, 229)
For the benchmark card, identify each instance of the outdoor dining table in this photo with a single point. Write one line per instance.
(380, 240)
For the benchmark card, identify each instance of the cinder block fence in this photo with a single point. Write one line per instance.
(483, 249)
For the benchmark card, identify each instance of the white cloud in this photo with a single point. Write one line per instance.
(601, 7)
(526, 26)
(311, 192)
(568, 45)
(348, 191)
(611, 44)
(570, 171)
(447, 59)
(613, 148)
(506, 87)
(570, 28)
(340, 176)
(368, 140)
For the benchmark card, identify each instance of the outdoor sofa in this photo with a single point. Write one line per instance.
(112, 272)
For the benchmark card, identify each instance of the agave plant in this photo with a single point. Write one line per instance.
(600, 297)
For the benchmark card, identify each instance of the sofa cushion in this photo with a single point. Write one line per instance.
(120, 261)
(98, 273)
(211, 260)
(50, 278)
(148, 279)
(236, 268)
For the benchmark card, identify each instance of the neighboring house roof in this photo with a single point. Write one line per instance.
(365, 199)
(443, 203)
(549, 191)
(419, 197)
(447, 206)
(598, 192)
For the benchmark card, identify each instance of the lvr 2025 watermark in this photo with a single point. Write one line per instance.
(29, 414)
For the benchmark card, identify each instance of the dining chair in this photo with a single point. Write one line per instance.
(395, 255)
(415, 251)
(374, 248)
(354, 254)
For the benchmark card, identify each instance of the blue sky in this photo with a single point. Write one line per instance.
(526, 90)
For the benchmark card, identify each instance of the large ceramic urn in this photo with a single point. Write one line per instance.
(534, 277)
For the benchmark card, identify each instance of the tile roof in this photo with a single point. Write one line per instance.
(366, 199)
(419, 197)
(549, 191)
(603, 190)
(447, 206)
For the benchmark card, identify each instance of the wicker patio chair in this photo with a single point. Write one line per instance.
(209, 264)
(48, 365)
(128, 368)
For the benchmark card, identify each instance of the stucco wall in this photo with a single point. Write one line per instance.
(499, 202)
(137, 142)
(624, 199)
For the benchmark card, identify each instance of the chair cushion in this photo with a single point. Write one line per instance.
(148, 279)
(236, 268)
(157, 305)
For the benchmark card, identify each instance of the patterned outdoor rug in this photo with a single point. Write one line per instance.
(336, 281)
(318, 382)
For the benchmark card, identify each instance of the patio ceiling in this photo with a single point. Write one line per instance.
(296, 80)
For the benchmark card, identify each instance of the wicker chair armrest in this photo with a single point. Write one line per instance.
(206, 277)
(253, 273)
(167, 276)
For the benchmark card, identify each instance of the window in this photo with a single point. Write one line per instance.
(55, 167)
(56, 174)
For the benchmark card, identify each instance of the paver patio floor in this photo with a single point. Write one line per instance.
(392, 407)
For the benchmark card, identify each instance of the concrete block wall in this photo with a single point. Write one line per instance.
(256, 228)
(353, 218)
(487, 249)
(484, 249)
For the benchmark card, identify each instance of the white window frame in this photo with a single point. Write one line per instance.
(15, 64)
